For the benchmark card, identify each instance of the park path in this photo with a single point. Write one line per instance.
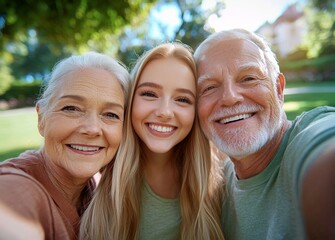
(16, 111)
(301, 90)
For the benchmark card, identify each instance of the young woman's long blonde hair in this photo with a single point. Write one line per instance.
(114, 212)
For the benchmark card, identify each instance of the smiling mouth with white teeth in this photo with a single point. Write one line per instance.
(159, 128)
(84, 148)
(235, 118)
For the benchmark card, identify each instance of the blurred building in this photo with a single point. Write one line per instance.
(287, 32)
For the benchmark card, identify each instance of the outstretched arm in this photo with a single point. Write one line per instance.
(318, 195)
(14, 226)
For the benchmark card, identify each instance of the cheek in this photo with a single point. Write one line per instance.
(271, 94)
(138, 110)
(114, 135)
(268, 98)
(204, 108)
(188, 117)
(136, 117)
(57, 129)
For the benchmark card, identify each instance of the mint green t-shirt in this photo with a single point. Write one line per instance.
(160, 217)
(267, 206)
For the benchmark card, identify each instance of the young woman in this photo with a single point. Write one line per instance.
(162, 184)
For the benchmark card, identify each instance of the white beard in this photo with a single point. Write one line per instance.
(238, 143)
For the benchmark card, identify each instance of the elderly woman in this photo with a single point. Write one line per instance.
(80, 116)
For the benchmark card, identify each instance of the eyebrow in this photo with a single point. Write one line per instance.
(241, 68)
(249, 66)
(154, 85)
(203, 78)
(149, 84)
(187, 91)
(79, 98)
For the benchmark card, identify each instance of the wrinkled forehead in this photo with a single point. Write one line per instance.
(230, 53)
(233, 47)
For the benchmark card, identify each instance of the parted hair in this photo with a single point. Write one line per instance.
(114, 212)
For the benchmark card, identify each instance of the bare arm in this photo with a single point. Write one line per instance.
(14, 226)
(318, 195)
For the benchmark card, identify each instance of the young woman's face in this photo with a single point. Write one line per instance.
(163, 107)
(83, 128)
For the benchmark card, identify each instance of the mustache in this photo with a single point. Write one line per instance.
(234, 110)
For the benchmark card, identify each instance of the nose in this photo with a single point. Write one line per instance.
(91, 125)
(230, 94)
(164, 109)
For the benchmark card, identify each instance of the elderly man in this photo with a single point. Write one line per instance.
(280, 180)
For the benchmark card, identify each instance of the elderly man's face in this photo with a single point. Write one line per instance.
(239, 107)
(83, 128)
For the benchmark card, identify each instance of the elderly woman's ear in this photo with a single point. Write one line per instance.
(40, 120)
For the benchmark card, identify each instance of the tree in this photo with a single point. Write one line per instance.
(320, 40)
(35, 34)
(77, 24)
(6, 79)
(192, 16)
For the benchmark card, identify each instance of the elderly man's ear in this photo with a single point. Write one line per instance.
(40, 120)
(281, 82)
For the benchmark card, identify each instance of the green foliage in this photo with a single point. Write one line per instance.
(77, 24)
(37, 61)
(6, 78)
(22, 93)
(190, 31)
(323, 4)
(320, 64)
(320, 40)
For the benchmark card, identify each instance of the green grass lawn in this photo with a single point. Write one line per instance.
(295, 104)
(18, 131)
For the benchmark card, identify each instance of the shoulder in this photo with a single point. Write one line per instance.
(308, 137)
(23, 193)
(305, 139)
(316, 116)
(314, 126)
(27, 161)
(25, 196)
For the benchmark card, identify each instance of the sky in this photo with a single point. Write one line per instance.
(248, 14)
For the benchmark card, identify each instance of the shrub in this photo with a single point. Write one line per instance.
(21, 94)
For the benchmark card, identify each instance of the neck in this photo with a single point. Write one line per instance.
(255, 163)
(162, 174)
(70, 187)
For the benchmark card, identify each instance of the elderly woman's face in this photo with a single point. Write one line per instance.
(83, 128)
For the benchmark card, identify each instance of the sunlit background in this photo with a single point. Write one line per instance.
(232, 14)
(34, 35)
